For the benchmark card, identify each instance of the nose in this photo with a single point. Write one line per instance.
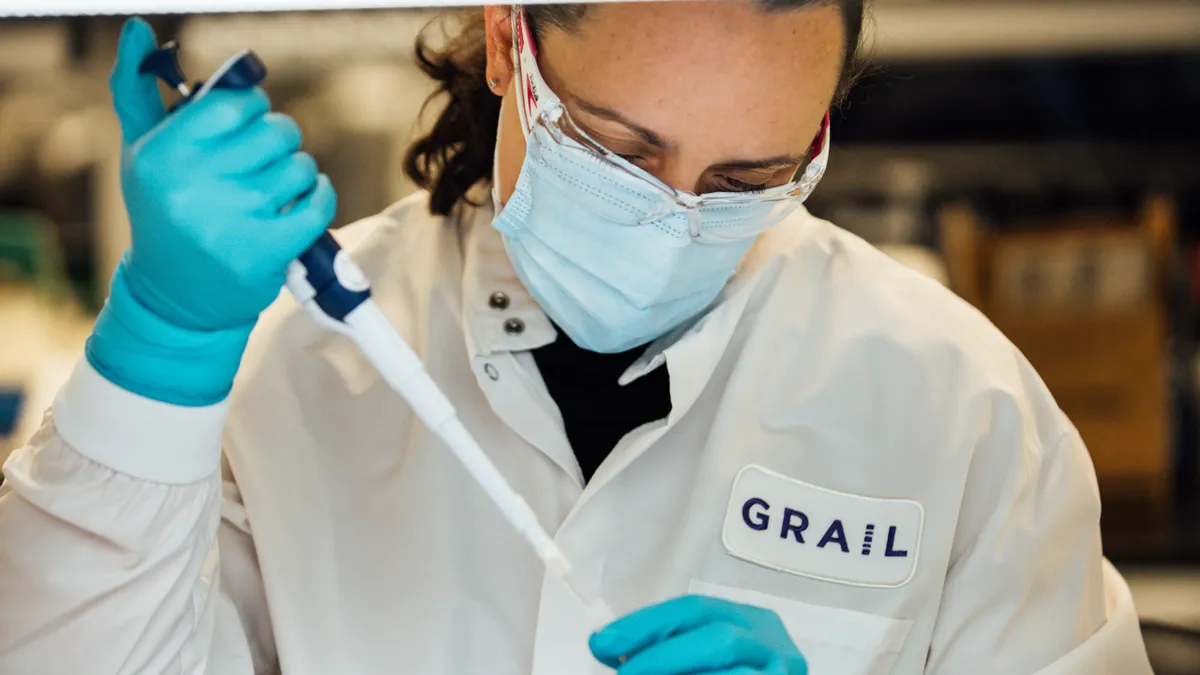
(682, 173)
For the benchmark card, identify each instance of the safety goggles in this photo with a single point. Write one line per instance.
(555, 140)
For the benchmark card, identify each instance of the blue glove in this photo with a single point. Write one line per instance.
(698, 634)
(220, 199)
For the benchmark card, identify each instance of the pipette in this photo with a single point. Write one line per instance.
(334, 291)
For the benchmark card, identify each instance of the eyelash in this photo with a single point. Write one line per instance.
(724, 184)
(728, 184)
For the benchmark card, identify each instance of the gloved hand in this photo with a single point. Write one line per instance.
(207, 190)
(698, 634)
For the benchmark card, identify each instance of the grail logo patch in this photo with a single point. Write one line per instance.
(792, 526)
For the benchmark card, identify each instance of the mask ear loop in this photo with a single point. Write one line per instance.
(530, 85)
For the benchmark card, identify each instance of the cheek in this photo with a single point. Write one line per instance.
(510, 148)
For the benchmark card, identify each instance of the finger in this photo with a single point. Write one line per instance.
(285, 181)
(215, 116)
(135, 95)
(308, 218)
(713, 646)
(272, 137)
(632, 633)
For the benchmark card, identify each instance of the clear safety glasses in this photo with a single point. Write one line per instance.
(556, 142)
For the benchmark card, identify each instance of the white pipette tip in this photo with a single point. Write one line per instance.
(598, 611)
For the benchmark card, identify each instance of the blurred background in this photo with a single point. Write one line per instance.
(1040, 157)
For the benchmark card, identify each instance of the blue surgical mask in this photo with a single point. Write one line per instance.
(610, 288)
(612, 255)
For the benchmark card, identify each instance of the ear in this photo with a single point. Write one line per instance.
(498, 21)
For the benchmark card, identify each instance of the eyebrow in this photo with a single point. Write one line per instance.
(778, 162)
(656, 140)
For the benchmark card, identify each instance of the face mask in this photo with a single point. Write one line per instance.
(612, 255)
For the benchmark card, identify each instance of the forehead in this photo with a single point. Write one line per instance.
(681, 68)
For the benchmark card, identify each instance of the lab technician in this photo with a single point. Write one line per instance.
(769, 447)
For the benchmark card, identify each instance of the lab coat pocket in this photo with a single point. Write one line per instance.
(834, 641)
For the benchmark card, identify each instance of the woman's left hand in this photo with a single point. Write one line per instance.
(698, 634)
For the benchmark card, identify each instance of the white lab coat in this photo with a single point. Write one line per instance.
(831, 392)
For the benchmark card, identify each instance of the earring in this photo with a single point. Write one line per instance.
(493, 82)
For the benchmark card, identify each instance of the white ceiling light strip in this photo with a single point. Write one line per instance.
(102, 7)
(900, 28)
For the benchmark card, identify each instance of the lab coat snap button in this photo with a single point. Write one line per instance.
(514, 326)
(491, 372)
(498, 301)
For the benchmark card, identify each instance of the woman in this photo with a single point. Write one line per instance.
(769, 447)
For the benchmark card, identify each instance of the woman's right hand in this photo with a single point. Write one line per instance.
(220, 199)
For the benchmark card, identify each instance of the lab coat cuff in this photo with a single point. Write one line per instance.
(137, 436)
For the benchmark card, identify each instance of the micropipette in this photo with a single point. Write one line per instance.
(334, 291)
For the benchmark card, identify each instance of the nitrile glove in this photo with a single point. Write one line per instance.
(207, 190)
(698, 634)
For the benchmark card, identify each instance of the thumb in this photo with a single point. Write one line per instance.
(135, 95)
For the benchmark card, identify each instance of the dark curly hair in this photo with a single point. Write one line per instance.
(457, 152)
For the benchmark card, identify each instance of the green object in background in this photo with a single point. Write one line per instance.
(30, 254)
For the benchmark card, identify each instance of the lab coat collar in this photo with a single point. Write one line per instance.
(691, 351)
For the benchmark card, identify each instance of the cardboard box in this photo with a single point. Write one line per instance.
(1083, 300)
(1100, 271)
